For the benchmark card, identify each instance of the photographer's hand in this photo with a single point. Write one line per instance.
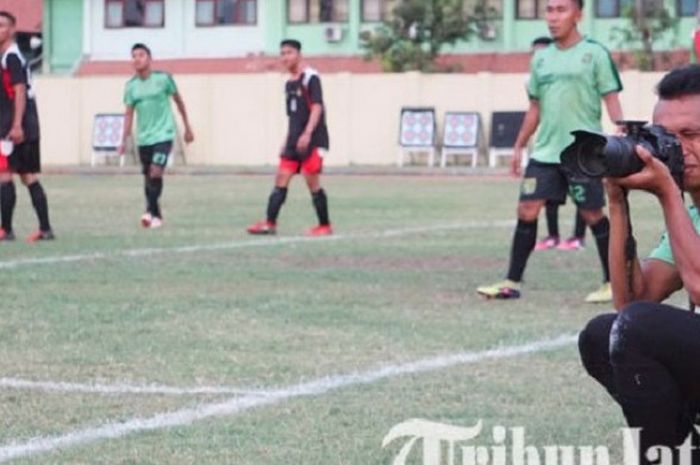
(654, 177)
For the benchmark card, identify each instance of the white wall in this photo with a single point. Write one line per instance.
(239, 119)
(179, 38)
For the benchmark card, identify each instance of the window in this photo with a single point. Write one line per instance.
(222, 12)
(531, 9)
(611, 8)
(317, 11)
(375, 11)
(134, 13)
(687, 7)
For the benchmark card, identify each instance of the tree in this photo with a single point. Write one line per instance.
(648, 21)
(419, 29)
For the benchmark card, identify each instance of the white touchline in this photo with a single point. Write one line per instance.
(130, 253)
(271, 396)
(121, 388)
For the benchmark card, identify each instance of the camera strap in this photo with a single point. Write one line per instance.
(630, 247)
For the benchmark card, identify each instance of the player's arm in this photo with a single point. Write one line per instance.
(528, 128)
(182, 109)
(614, 107)
(652, 280)
(316, 96)
(18, 80)
(128, 124)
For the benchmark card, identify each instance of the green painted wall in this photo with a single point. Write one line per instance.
(63, 34)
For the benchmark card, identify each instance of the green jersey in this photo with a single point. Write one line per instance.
(663, 251)
(150, 98)
(569, 85)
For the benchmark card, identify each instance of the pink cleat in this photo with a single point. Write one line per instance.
(572, 243)
(547, 243)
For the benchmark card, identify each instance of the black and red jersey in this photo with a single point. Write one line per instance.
(15, 70)
(301, 94)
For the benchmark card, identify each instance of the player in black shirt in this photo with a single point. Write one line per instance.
(305, 145)
(19, 130)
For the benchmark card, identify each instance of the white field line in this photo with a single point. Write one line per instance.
(120, 388)
(272, 396)
(266, 242)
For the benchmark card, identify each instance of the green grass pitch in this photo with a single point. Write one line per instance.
(276, 311)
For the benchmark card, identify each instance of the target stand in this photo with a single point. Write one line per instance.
(107, 134)
(462, 137)
(417, 133)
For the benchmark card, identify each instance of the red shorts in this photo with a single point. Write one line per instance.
(4, 164)
(312, 165)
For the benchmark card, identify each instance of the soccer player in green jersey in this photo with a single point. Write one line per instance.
(568, 81)
(148, 95)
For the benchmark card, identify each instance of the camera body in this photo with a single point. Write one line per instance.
(599, 155)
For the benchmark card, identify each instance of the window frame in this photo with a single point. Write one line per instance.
(381, 9)
(238, 14)
(307, 17)
(679, 10)
(124, 25)
(537, 17)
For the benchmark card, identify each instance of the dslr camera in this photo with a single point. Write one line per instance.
(599, 155)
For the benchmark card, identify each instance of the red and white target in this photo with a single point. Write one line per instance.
(461, 129)
(108, 131)
(417, 128)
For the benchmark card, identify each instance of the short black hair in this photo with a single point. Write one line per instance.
(9, 16)
(140, 46)
(680, 82)
(544, 40)
(291, 43)
(580, 4)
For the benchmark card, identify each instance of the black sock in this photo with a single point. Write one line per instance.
(154, 189)
(524, 241)
(552, 214)
(580, 226)
(8, 199)
(601, 232)
(146, 190)
(321, 205)
(41, 205)
(274, 204)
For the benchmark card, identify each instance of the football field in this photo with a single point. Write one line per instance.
(198, 344)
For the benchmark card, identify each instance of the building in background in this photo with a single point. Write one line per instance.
(94, 36)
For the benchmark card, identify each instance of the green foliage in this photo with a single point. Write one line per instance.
(647, 22)
(418, 30)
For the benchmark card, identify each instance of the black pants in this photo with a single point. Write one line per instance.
(648, 359)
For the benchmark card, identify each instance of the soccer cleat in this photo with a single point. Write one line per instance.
(549, 242)
(156, 223)
(572, 243)
(6, 235)
(262, 228)
(320, 230)
(41, 236)
(504, 290)
(146, 219)
(601, 296)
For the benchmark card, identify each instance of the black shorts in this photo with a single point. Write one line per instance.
(156, 154)
(549, 181)
(26, 158)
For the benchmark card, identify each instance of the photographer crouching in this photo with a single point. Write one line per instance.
(647, 355)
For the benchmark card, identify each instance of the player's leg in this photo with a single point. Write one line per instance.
(8, 200)
(156, 170)
(145, 156)
(576, 241)
(312, 168)
(286, 171)
(28, 167)
(589, 196)
(541, 183)
(552, 239)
